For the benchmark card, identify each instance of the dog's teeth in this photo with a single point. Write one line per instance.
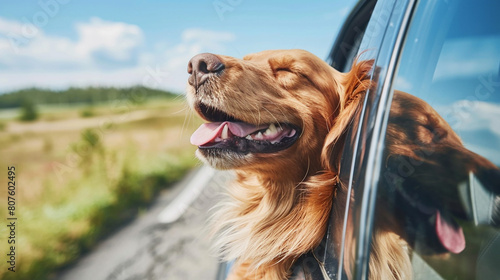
(249, 137)
(218, 139)
(259, 136)
(271, 130)
(225, 133)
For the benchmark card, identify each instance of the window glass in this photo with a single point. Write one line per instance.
(438, 203)
(323, 261)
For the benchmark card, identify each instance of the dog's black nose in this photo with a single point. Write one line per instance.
(201, 66)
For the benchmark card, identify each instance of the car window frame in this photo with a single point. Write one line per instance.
(382, 41)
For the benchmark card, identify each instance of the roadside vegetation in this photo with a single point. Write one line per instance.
(90, 95)
(28, 111)
(85, 168)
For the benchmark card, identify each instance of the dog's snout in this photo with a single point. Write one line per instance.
(201, 66)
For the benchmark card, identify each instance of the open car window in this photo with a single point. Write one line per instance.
(323, 261)
(437, 206)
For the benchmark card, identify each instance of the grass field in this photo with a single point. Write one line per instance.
(82, 171)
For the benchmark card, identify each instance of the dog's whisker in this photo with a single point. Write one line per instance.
(187, 118)
(258, 119)
(186, 108)
(279, 107)
(306, 174)
(272, 115)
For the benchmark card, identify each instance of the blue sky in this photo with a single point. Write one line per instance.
(62, 43)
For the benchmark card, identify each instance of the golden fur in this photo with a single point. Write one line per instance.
(280, 203)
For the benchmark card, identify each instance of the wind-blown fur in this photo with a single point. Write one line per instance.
(279, 205)
(272, 224)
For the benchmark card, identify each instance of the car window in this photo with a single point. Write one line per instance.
(437, 211)
(323, 261)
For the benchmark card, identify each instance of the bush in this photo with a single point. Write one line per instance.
(87, 112)
(89, 145)
(28, 111)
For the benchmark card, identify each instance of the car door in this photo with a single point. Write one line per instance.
(441, 203)
(444, 199)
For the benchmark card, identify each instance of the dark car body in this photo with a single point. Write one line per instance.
(447, 53)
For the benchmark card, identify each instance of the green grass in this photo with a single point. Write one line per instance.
(72, 223)
(87, 112)
(81, 185)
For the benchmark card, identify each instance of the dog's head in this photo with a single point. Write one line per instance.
(268, 110)
(428, 181)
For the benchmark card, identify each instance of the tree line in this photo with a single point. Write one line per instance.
(90, 95)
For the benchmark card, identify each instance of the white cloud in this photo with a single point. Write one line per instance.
(403, 84)
(473, 119)
(475, 115)
(104, 53)
(97, 39)
(465, 58)
(10, 26)
(117, 40)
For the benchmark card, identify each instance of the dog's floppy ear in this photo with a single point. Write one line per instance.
(355, 84)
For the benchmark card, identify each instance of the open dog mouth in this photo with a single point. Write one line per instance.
(226, 132)
(448, 232)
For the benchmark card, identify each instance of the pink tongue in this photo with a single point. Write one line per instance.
(207, 132)
(452, 238)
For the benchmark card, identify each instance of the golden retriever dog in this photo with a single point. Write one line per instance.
(274, 117)
(279, 120)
